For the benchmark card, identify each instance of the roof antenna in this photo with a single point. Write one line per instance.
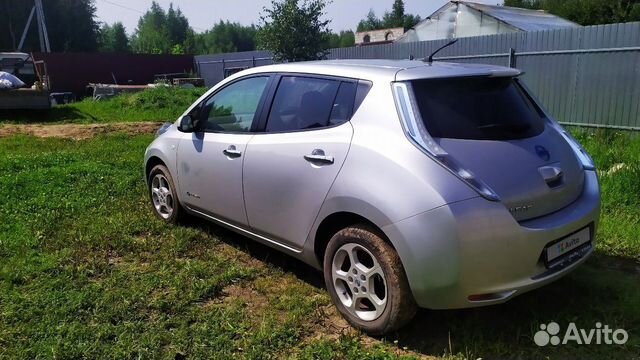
(430, 58)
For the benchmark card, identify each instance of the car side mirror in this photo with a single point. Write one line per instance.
(191, 123)
(187, 125)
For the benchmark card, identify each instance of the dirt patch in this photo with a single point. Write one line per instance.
(329, 324)
(242, 294)
(78, 131)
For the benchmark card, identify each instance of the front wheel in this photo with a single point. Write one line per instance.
(367, 282)
(163, 195)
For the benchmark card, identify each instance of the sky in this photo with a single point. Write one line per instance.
(202, 14)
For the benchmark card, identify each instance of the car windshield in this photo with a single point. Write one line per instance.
(479, 108)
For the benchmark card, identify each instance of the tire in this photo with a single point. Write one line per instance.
(161, 187)
(359, 264)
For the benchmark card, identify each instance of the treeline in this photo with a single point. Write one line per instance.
(169, 32)
(585, 12)
(395, 18)
(73, 27)
(160, 32)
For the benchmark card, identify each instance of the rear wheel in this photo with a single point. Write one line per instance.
(163, 195)
(367, 282)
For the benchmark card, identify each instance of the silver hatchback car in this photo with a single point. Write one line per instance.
(409, 184)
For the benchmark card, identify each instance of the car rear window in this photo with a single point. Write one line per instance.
(302, 103)
(343, 104)
(308, 103)
(478, 108)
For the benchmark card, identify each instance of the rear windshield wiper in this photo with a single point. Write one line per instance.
(515, 128)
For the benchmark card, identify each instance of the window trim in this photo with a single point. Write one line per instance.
(264, 117)
(261, 104)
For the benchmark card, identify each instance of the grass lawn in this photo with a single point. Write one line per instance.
(617, 156)
(158, 104)
(86, 271)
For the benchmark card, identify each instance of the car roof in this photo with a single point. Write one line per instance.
(388, 70)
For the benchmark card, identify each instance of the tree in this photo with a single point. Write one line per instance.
(151, 36)
(113, 38)
(177, 27)
(371, 22)
(393, 19)
(585, 12)
(226, 37)
(161, 32)
(294, 30)
(71, 25)
(347, 38)
(410, 21)
(342, 39)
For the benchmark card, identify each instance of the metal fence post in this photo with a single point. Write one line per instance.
(512, 57)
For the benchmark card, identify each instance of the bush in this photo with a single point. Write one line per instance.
(157, 104)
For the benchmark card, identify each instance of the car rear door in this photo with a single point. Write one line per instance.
(210, 161)
(290, 167)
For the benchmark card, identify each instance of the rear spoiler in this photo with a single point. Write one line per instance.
(454, 71)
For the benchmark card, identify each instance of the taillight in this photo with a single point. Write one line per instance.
(581, 153)
(417, 132)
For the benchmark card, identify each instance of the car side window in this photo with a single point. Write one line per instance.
(233, 108)
(343, 105)
(303, 103)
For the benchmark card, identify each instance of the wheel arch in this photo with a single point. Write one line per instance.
(151, 162)
(335, 222)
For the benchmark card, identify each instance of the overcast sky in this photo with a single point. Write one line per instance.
(202, 14)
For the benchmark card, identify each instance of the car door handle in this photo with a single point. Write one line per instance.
(232, 152)
(318, 156)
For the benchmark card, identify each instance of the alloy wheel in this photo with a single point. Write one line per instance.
(163, 199)
(359, 281)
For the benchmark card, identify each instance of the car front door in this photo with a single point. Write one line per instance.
(210, 159)
(290, 167)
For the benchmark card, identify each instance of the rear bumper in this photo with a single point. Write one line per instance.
(476, 247)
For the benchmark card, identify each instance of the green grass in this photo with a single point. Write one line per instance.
(86, 271)
(617, 157)
(158, 104)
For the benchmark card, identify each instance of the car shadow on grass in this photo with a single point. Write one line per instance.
(585, 297)
(260, 251)
(595, 292)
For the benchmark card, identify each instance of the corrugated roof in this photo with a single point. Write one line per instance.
(523, 19)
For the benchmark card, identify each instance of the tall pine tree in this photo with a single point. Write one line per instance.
(161, 32)
(113, 38)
